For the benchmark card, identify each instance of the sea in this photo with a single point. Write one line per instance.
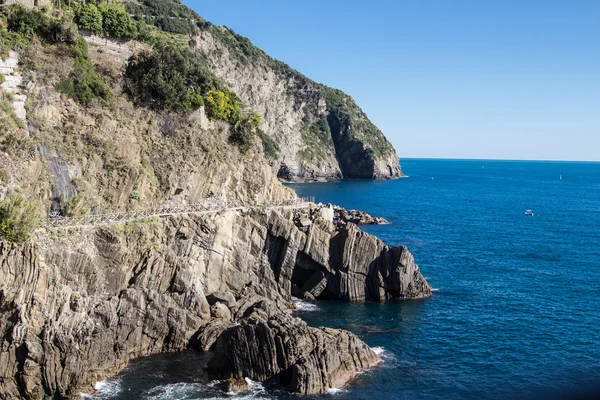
(515, 312)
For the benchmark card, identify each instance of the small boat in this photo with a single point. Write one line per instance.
(529, 213)
(560, 177)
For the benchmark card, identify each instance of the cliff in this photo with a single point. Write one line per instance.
(77, 307)
(322, 133)
(92, 125)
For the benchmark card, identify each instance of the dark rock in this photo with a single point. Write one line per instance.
(351, 264)
(205, 338)
(285, 350)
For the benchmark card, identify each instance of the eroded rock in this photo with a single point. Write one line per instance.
(284, 349)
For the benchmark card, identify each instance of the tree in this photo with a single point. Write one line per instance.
(117, 23)
(88, 17)
(171, 77)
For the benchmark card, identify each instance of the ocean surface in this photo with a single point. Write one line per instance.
(516, 311)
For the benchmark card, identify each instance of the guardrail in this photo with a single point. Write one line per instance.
(205, 207)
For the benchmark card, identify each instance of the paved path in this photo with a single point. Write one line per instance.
(165, 211)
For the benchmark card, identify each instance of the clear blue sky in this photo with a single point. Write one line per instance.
(457, 79)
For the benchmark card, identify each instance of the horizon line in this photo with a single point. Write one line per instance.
(496, 159)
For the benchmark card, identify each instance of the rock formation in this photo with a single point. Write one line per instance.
(322, 133)
(75, 309)
(283, 349)
(76, 304)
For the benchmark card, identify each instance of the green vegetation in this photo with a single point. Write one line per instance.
(83, 84)
(318, 142)
(24, 25)
(244, 131)
(171, 77)
(19, 26)
(223, 105)
(19, 217)
(9, 125)
(270, 147)
(77, 206)
(34, 23)
(167, 15)
(88, 17)
(117, 23)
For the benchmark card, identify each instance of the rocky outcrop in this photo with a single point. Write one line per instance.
(283, 349)
(305, 217)
(76, 308)
(346, 264)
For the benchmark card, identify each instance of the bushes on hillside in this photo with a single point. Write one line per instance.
(19, 217)
(223, 105)
(88, 17)
(171, 77)
(270, 146)
(29, 23)
(83, 83)
(168, 15)
(117, 23)
(244, 131)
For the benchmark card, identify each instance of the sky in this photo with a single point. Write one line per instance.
(449, 78)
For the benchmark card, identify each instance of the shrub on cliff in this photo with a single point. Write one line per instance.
(83, 83)
(19, 217)
(34, 23)
(168, 15)
(171, 77)
(270, 146)
(244, 131)
(117, 23)
(223, 105)
(88, 17)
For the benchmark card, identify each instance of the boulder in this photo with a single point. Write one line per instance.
(223, 297)
(220, 311)
(285, 350)
(204, 339)
(235, 385)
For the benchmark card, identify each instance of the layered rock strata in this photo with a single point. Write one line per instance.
(76, 307)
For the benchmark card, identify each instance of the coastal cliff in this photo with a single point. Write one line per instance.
(76, 308)
(322, 133)
(147, 119)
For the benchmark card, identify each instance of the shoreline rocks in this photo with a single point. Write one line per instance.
(76, 308)
(304, 218)
(283, 349)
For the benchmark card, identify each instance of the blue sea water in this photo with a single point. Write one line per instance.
(516, 311)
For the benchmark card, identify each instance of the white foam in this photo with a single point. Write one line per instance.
(255, 387)
(334, 391)
(378, 350)
(304, 305)
(104, 389)
(435, 289)
(173, 391)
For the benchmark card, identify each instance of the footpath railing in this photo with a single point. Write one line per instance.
(205, 207)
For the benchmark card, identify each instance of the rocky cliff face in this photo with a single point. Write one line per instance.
(116, 156)
(322, 133)
(75, 308)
